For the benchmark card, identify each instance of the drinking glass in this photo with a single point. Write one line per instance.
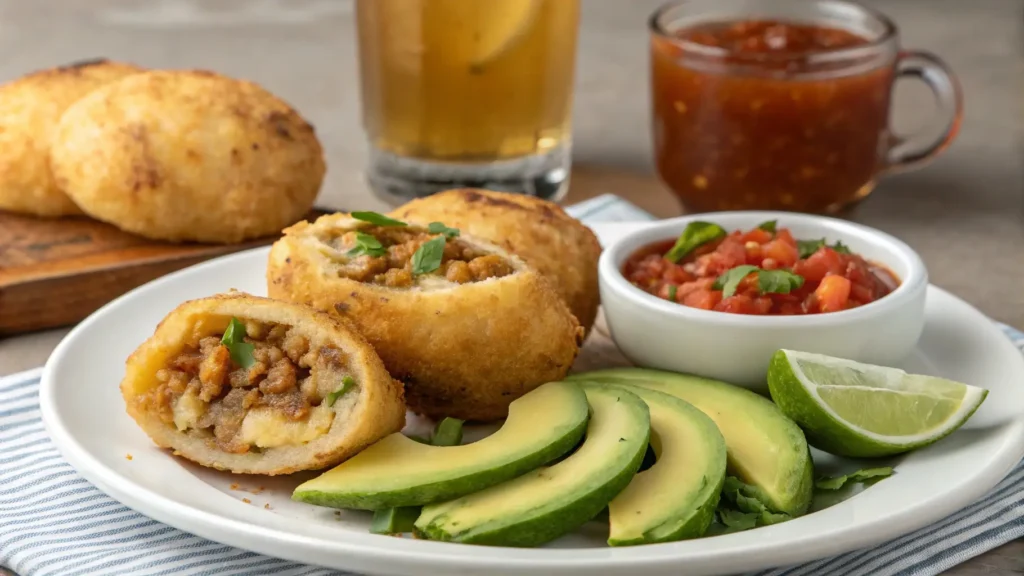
(467, 93)
(784, 104)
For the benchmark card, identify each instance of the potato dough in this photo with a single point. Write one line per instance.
(188, 392)
(466, 341)
(540, 232)
(188, 155)
(30, 108)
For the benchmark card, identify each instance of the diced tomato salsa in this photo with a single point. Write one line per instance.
(833, 279)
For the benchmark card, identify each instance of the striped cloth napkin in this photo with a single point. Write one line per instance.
(53, 522)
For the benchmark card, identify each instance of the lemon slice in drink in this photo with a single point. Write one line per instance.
(859, 410)
(484, 30)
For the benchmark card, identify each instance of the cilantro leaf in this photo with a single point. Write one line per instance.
(864, 475)
(735, 521)
(440, 228)
(377, 219)
(778, 281)
(808, 247)
(740, 508)
(768, 226)
(427, 257)
(347, 383)
(448, 432)
(841, 248)
(367, 244)
(234, 338)
(672, 290)
(730, 280)
(695, 234)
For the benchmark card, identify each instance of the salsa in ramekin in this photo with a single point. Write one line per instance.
(763, 271)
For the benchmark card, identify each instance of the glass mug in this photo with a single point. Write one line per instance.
(784, 104)
(467, 93)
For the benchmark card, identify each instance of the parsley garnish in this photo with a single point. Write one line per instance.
(837, 482)
(377, 219)
(808, 247)
(768, 226)
(768, 281)
(440, 228)
(695, 234)
(234, 339)
(367, 244)
(347, 383)
(427, 257)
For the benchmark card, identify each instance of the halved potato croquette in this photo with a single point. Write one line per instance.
(255, 386)
(188, 156)
(30, 108)
(559, 246)
(468, 334)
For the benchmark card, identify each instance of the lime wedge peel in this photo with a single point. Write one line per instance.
(859, 410)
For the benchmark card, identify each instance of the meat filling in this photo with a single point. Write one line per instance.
(460, 264)
(278, 400)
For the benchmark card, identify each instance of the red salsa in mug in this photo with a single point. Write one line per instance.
(764, 271)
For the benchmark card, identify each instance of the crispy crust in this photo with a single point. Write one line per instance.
(188, 156)
(30, 108)
(377, 410)
(465, 351)
(559, 246)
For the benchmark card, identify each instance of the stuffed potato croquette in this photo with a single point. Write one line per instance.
(30, 108)
(540, 232)
(465, 325)
(247, 384)
(188, 156)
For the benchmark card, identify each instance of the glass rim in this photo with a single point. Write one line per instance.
(887, 36)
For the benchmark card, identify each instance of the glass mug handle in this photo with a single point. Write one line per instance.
(908, 151)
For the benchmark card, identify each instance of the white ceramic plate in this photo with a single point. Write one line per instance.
(85, 416)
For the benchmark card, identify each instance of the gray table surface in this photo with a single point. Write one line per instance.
(964, 213)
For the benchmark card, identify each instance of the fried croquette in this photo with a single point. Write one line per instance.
(254, 386)
(188, 156)
(540, 232)
(465, 325)
(30, 108)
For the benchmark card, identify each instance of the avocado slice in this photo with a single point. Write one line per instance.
(398, 471)
(675, 498)
(765, 449)
(551, 501)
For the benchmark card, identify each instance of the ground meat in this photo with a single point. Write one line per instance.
(279, 378)
(460, 262)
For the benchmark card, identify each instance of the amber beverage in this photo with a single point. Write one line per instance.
(783, 104)
(467, 93)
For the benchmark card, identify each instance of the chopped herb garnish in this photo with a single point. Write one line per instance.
(695, 234)
(427, 257)
(347, 384)
(867, 474)
(448, 432)
(730, 281)
(741, 508)
(377, 219)
(768, 226)
(440, 228)
(672, 289)
(240, 350)
(808, 247)
(367, 244)
(736, 521)
(768, 281)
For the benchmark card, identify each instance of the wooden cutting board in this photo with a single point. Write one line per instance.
(55, 272)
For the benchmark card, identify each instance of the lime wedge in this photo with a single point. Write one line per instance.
(859, 410)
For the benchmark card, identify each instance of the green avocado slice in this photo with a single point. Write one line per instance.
(551, 501)
(765, 449)
(396, 471)
(675, 498)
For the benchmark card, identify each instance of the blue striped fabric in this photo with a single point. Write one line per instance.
(53, 522)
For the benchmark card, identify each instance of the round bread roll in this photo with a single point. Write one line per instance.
(314, 394)
(30, 108)
(466, 338)
(559, 246)
(188, 156)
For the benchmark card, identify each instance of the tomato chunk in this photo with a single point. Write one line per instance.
(833, 293)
